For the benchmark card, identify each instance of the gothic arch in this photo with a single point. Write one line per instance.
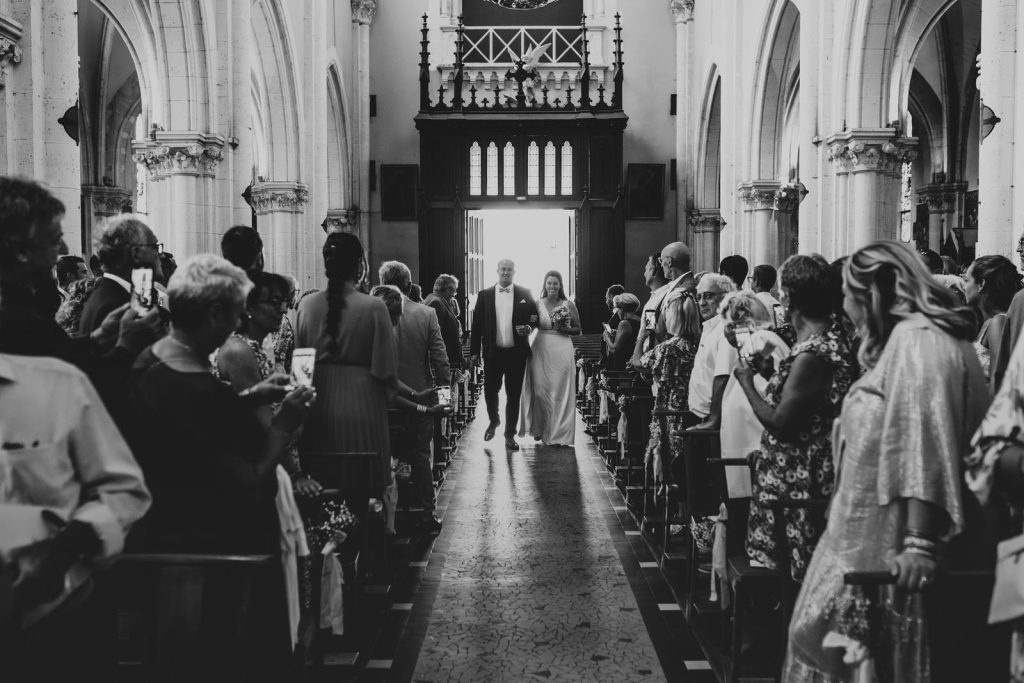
(777, 76)
(275, 67)
(708, 190)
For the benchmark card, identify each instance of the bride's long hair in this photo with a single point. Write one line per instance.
(561, 286)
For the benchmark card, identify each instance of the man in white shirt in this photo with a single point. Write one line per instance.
(715, 358)
(761, 283)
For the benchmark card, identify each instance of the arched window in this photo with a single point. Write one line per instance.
(566, 168)
(474, 169)
(533, 169)
(509, 164)
(492, 170)
(549, 169)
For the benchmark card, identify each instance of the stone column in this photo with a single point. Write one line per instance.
(999, 82)
(944, 201)
(363, 12)
(682, 12)
(341, 220)
(705, 227)
(279, 207)
(869, 163)
(183, 190)
(36, 96)
(759, 198)
(787, 204)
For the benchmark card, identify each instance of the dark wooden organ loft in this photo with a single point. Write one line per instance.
(460, 136)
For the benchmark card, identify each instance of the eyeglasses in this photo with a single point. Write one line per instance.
(276, 301)
(708, 296)
(159, 246)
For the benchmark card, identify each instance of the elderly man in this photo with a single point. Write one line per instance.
(675, 262)
(715, 358)
(422, 363)
(123, 242)
(447, 309)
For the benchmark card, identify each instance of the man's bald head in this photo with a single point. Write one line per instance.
(675, 259)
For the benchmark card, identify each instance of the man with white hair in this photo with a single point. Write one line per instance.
(715, 358)
(422, 364)
(675, 263)
(123, 242)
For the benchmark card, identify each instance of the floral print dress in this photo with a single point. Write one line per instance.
(803, 468)
(671, 363)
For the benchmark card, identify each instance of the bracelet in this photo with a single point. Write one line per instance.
(922, 552)
(421, 408)
(919, 542)
(245, 392)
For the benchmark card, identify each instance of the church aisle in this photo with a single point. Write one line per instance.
(535, 578)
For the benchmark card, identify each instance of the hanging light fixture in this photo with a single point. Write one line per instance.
(988, 120)
(522, 4)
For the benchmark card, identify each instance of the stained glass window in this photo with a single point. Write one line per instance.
(549, 169)
(509, 163)
(474, 169)
(533, 169)
(492, 170)
(566, 168)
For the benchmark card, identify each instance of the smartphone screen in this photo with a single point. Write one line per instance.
(444, 396)
(650, 320)
(142, 289)
(303, 361)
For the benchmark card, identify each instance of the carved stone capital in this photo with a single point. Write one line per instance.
(789, 196)
(706, 221)
(759, 195)
(682, 10)
(169, 154)
(875, 150)
(363, 11)
(942, 198)
(279, 197)
(341, 220)
(107, 201)
(10, 52)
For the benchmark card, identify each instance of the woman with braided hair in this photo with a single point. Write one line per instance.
(355, 373)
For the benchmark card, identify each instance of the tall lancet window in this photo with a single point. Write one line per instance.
(474, 169)
(492, 170)
(549, 169)
(566, 168)
(509, 165)
(533, 169)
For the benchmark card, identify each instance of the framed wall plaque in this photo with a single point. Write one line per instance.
(398, 183)
(645, 192)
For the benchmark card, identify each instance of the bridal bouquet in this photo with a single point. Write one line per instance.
(561, 319)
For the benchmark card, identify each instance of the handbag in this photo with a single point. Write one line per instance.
(1008, 594)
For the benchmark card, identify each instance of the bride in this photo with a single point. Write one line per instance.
(548, 404)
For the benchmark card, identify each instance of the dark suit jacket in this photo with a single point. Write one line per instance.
(450, 330)
(105, 297)
(484, 336)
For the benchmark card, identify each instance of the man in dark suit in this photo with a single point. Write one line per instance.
(442, 301)
(123, 242)
(502, 321)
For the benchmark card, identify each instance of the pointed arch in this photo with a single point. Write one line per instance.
(708, 189)
(339, 158)
(777, 77)
(274, 63)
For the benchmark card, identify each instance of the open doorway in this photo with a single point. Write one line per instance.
(537, 240)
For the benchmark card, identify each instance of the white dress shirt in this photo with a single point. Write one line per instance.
(119, 280)
(715, 357)
(60, 450)
(503, 303)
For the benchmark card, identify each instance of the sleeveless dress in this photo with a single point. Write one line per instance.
(548, 404)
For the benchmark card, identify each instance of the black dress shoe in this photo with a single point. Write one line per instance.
(430, 525)
(489, 434)
(510, 443)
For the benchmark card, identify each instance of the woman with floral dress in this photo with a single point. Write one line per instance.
(670, 364)
(803, 399)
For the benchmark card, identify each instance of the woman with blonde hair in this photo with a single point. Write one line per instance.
(750, 327)
(899, 441)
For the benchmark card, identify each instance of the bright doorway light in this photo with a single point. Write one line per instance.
(538, 240)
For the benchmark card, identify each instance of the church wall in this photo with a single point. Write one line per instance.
(394, 73)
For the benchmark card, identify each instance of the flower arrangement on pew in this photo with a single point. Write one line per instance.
(333, 522)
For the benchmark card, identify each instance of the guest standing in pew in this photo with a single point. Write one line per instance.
(356, 376)
(803, 398)
(674, 260)
(211, 465)
(715, 359)
(623, 339)
(903, 430)
(991, 283)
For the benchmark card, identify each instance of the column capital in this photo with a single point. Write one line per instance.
(279, 197)
(10, 52)
(167, 154)
(870, 149)
(363, 11)
(107, 200)
(706, 220)
(759, 195)
(682, 10)
(341, 220)
(789, 196)
(942, 197)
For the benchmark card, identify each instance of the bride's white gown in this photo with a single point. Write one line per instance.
(548, 404)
